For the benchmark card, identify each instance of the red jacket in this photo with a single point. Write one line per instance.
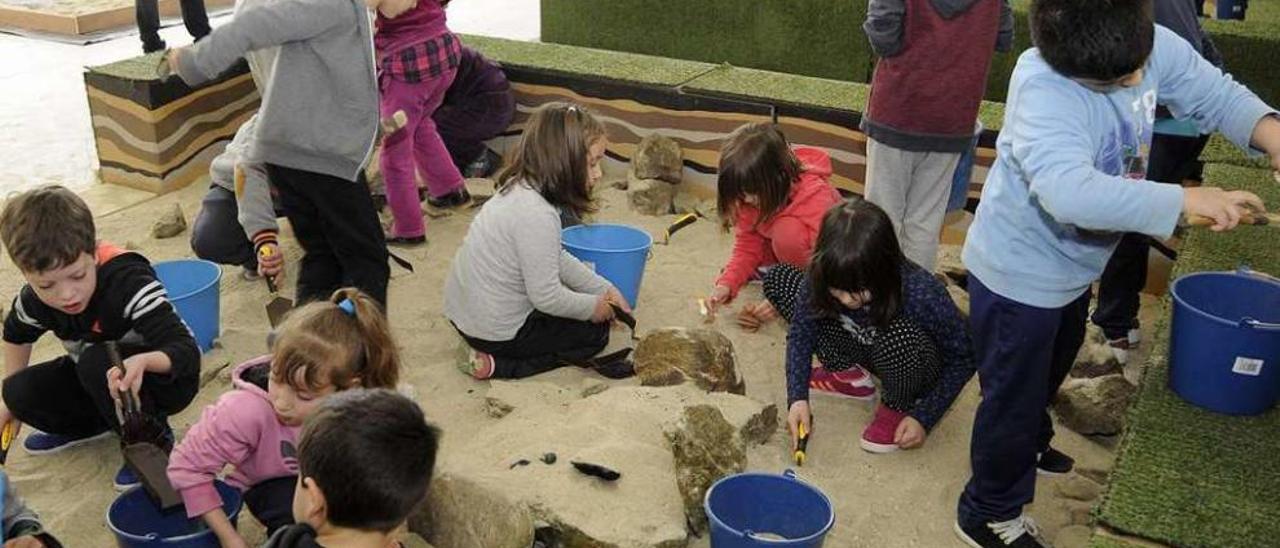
(788, 236)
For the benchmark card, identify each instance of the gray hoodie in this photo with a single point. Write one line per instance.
(320, 112)
(256, 210)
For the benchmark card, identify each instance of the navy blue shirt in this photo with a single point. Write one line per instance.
(925, 303)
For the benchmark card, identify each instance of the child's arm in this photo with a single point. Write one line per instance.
(802, 340)
(226, 433)
(271, 24)
(538, 250)
(145, 304)
(748, 252)
(931, 306)
(884, 26)
(578, 277)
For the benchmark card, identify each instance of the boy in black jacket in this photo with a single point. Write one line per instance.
(87, 293)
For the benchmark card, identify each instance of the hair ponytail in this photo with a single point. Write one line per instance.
(344, 342)
(381, 358)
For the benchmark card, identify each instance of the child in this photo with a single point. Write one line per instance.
(864, 302)
(322, 348)
(925, 93)
(87, 293)
(20, 524)
(1066, 183)
(417, 61)
(147, 15)
(776, 198)
(315, 131)
(478, 107)
(364, 463)
(520, 301)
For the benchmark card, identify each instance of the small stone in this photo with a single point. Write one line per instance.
(521, 462)
(949, 262)
(620, 184)
(130, 245)
(548, 458)
(672, 355)
(591, 387)
(170, 224)
(497, 408)
(1094, 406)
(658, 157)
(1096, 358)
(1076, 487)
(651, 196)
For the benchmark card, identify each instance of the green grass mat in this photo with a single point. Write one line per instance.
(1185, 476)
(629, 67)
(144, 67)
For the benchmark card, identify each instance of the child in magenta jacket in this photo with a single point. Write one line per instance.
(323, 348)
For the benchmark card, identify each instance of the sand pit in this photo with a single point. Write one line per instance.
(904, 499)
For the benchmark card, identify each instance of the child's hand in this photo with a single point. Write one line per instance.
(614, 296)
(271, 262)
(1224, 207)
(603, 312)
(174, 55)
(797, 415)
(753, 316)
(7, 417)
(27, 541)
(720, 296)
(131, 379)
(910, 434)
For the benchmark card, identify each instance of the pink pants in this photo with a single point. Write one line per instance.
(417, 144)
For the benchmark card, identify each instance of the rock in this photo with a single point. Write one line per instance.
(1096, 474)
(651, 196)
(620, 184)
(1076, 487)
(1095, 358)
(658, 157)
(591, 387)
(497, 408)
(673, 355)
(755, 425)
(460, 513)
(1074, 536)
(686, 203)
(506, 396)
(706, 448)
(1081, 512)
(949, 262)
(1094, 406)
(169, 224)
(130, 245)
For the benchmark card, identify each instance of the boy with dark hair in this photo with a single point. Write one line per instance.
(87, 293)
(1068, 180)
(364, 462)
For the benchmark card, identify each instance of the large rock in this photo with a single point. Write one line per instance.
(1096, 359)
(460, 513)
(1077, 487)
(170, 224)
(658, 157)
(672, 355)
(686, 203)
(706, 448)
(651, 196)
(1094, 406)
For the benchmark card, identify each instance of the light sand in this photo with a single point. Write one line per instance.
(904, 499)
(69, 7)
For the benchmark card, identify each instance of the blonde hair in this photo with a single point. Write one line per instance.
(344, 342)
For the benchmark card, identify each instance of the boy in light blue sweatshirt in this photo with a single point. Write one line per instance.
(1068, 181)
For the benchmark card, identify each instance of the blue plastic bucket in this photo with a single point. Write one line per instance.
(1224, 349)
(1230, 9)
(193, 289)
(138, 523)
(964, 173)
(753, 510)
(617, 252)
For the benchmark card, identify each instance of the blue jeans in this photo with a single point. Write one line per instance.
(1024, 353)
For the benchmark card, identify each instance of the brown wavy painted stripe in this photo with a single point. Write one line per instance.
(217, 121)
(235, 87)
(186, 174)
(200, 136)
(111, 149)
(161, 123)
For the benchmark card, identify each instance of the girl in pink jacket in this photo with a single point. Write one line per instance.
(322, 348)
(776, 198)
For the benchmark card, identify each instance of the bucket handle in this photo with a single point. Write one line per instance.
(1255, 324)
(1245, 270)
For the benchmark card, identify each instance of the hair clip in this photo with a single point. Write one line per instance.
(347, 307)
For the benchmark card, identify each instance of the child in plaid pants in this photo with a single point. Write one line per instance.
(417, 62)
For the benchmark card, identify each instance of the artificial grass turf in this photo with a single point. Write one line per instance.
(1186, 476)
(627, 67)
(142, 68)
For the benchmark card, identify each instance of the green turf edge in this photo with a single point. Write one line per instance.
(1099, 541)
(142, 68)
(626, 67)
(1186, 476)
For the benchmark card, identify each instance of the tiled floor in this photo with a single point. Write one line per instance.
(45, 136)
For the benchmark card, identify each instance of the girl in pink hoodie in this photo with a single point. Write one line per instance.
(776, 198)
(322, 348)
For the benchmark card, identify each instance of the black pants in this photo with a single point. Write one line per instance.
(147, 13)
(1173, 160)
(337, 226)
(543, 343)
(216, 234)
(71, 398)
(902, 356)
(465, 125)
(271, 502)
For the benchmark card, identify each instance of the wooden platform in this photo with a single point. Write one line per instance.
(74, 24)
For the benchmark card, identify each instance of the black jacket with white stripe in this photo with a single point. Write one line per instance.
(129, 305)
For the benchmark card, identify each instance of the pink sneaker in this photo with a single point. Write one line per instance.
(854, 382)
(878, 436)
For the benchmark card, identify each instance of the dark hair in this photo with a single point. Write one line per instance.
(371, 452)
(322, 344)
(47, 228)
(1095, 39)
(552, 156)
(857, 250)
(755, 160)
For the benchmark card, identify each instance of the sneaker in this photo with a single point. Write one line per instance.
(1053, 462)
(878, 436)
(480, 366)
(126, 479)
(250, 274)
(456, 198)
(1135, 337)
(487, 164)
(1020, 532)
(43, 443)
(853, 382)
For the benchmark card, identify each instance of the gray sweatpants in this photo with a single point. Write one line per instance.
(912, 187)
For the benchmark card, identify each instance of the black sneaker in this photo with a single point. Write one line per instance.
(1053, 462)
(1020, 532)
(484, 166)
(453, 199)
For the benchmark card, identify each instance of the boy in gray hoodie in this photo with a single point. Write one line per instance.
(315, 131)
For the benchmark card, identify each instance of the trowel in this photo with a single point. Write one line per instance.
(279, 306)
(145, 444)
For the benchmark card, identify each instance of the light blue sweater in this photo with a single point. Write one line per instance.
(1068, 178)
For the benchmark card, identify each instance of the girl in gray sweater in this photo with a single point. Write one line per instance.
(521, 302)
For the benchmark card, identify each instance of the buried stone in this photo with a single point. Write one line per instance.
(1094, 406)
(673, 355)
(658, 157)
